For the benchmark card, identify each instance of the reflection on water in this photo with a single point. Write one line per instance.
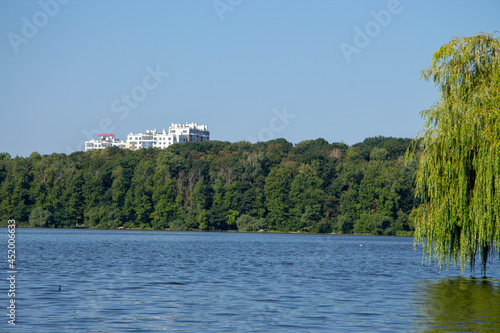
(459, 305)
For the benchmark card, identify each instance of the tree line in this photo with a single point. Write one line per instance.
(313, 186)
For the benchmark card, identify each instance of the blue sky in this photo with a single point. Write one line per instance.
(250, 69)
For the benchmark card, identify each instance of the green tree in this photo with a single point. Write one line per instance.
(118, 188)
(231, 219)
(165, 206)
(76, 200)
(276, 189)
(375, 224)
(458, 176)
(249, 223)
(377, 189)
(307, 198)
(202, 219)
(142, 183)
(199, 195)
(39, 217)
(378, 154)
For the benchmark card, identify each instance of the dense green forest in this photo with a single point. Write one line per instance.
(313, 186)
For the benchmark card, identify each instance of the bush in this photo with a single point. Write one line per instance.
(249, 223)
(39, 217)
(373, 224)
(178, 225)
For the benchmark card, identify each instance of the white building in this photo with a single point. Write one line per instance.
(104, 141)
(141, 140)
(191, 132)
(177, 133)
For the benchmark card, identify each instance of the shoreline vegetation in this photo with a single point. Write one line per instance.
(27, 226)
(312, 187)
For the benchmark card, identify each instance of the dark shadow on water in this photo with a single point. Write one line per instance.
(458, 305)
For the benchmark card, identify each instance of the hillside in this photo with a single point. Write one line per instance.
(313, 186)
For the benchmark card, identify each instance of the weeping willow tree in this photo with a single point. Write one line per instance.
(458, 179)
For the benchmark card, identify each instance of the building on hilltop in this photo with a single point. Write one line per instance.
(192, 132)
(104, 141)
(177, 133)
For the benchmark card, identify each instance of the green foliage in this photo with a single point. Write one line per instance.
(378, 154)
(313, 186)
(458, 174)
(307, 198)
(374, 224)
(276, 190)
(178, 225)
(39, 217)
(231, 219)
(344, 224)
(249, 223)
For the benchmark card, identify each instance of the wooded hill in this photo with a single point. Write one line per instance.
(313, 186)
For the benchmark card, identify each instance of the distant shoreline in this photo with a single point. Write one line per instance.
(216, 231)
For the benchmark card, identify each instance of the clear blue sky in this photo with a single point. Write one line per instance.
(249, 69)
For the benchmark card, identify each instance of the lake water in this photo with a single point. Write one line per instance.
(140, 281)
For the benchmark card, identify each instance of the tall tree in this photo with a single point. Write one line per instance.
(76, 200)
(142, 184)
(163, 197)
(306, 197)
(276, 189)
(458, 177)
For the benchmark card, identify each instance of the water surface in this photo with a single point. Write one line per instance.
(130, 281)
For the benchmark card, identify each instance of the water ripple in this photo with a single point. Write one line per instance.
(119, 281)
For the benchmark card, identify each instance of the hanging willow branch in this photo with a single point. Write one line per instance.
(458, 178)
